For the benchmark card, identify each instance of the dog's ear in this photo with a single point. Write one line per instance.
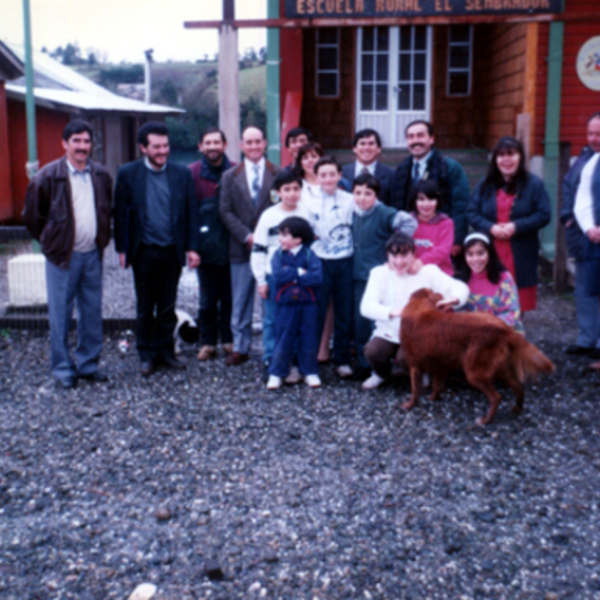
(188, 333)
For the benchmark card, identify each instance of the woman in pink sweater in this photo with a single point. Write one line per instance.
(435, 232)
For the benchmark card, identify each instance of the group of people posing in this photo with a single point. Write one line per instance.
(330, 249)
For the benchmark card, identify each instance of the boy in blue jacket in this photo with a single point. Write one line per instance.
(296, 274)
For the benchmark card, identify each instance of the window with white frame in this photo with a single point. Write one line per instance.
(460, 59)
(375, 55)
(328, 62)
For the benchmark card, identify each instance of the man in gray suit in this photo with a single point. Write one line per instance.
(245, 195)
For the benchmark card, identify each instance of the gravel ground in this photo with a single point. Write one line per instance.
(299, 494)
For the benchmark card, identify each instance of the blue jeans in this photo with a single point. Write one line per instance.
(296, 327)
(269, 313)
(81, 281)
(588, 311)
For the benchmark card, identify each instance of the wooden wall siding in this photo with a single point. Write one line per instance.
(577, 101)
(6, 203)
(330, 119)
(498, 81)
(452, 116)
(541, 83)
(49, 126)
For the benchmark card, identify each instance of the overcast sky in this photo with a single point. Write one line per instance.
(123, 29)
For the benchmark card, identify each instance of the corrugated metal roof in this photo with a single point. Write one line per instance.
(57, 85)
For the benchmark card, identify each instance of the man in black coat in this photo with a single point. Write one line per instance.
(426, 162)
(366, 146)
(574, 185)
(156, 225)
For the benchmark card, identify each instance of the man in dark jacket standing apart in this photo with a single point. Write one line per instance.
(67, 209)
(245, 194)
(580, 214)
(425, 162)
(156, 225)
(214, 275)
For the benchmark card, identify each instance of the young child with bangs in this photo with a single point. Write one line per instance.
(297, 276)
(373, 223)
(435, 231)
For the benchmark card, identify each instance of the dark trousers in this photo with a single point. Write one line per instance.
(379, 354)
(156, 273)
(363, 328)
(214, 317)
(337, 284)
(295, 331)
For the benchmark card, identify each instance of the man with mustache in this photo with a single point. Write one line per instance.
(67, 209)
(426, 162)
(156, 228)
(214, 277)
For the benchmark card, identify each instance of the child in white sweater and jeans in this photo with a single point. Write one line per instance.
(387, 293)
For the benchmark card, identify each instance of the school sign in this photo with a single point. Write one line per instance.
(415, 8)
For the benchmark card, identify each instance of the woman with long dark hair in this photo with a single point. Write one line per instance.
(491, 287)
(511, 205)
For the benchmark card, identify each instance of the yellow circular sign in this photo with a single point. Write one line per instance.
(588, 64)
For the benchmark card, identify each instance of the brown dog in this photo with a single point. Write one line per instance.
(482, 346)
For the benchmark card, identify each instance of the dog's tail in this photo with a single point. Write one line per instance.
(528, 360)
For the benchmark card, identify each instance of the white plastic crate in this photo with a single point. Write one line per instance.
(27, 280)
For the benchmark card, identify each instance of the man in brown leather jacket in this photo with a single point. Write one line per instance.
(68, 209)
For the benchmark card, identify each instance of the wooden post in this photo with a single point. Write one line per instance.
(229, 82)
(560, 258)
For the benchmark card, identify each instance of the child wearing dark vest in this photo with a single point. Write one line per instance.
(297, 276)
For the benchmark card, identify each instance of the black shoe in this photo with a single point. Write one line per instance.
(265, 371)
(147, 368)
(576, 350)
(95, 376)
(68, 383)
(173, 363)
(594, 353)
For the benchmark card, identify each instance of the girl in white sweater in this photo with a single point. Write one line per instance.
(387, 293)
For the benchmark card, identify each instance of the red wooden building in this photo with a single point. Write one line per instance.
(478, 69)
(61, 94)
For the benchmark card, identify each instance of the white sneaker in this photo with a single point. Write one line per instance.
(274, 382)
(373, 382)
(294, 376)
(344, 371)
(313, 381)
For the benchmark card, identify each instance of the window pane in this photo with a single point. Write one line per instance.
(404, 67)
(383, 35)
(327, 59)
(327, 84)
(419, 74)
(405, 33)
(418, 96)
(366, 97)
(381, 97)
(382, 67)
(460, 33)
(420, 37)
(367, 67)
(459, 83)
(327, 35)
(367, 38)
(404, 97)
(459, 57)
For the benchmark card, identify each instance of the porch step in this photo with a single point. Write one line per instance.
(473, 161)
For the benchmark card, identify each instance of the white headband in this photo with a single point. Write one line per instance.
(477, 236)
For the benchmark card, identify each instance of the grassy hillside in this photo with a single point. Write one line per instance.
(192, 86)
